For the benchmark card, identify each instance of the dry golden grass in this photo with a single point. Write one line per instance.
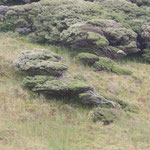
(30, 122)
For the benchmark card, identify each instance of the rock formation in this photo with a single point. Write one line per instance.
(45, 74)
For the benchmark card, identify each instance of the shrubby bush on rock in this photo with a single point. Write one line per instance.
(79, 25)
(15, 2)
(108, 28)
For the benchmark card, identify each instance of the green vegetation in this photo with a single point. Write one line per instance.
(30, 121)
(103, 114)
(97, 38)
(49, 100)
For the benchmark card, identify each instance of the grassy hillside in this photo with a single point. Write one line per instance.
(31, 122)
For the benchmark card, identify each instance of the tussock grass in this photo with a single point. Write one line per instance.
(30, 122)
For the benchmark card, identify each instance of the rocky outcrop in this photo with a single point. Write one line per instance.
(102, 64)
(45, 74)
(102, 37)
(73, 26)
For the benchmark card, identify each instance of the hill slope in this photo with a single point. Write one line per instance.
(31, 122)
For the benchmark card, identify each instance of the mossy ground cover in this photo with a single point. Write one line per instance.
(28, 121)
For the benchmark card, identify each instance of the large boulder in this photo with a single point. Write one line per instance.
(40, 62)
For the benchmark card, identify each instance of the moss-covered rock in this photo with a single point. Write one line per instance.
(87, 58)
(63, 87)
(31, 82)
(93, 98)
(104, 115)
(40, 62)
(124, 105)
(109, 65)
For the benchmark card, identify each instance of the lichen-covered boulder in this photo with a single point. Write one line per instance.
(109, 65)
(40, 62)
(93, 98)
(104, 115)
(87, 58)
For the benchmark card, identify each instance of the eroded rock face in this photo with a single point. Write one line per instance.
(102, 37)
(45, 75)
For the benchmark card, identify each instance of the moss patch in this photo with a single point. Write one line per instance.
(104, 115)
(109, 65)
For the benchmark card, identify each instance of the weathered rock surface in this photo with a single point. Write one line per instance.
(91, 97)
(40, 62)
